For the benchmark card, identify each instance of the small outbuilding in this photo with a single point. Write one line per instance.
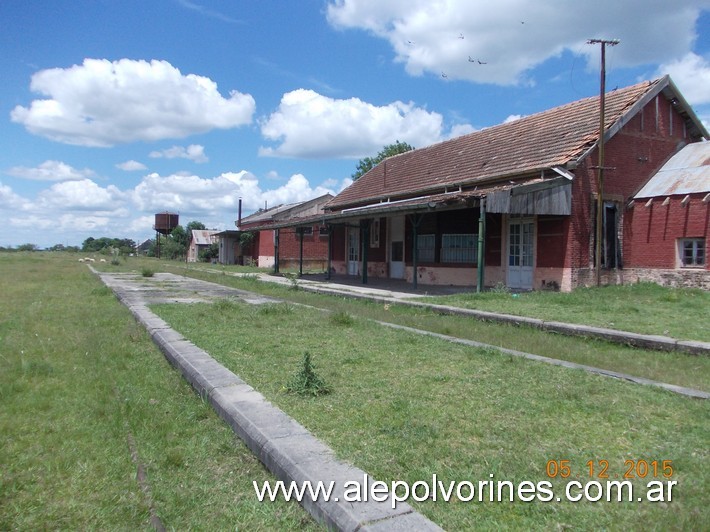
(670, 222)
(200, 240)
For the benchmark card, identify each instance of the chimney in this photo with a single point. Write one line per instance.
(239, 214)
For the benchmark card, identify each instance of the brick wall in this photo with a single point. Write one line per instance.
(632, 156)
(654, 231)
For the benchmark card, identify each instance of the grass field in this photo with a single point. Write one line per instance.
(404, 407)
(81, 385)
(674, 368)
(82, 388)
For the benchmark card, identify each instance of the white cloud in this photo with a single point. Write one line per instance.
(193, 152)
(10, 201)
(103, 103)
(514, 36)
(50, 171)
(209, 196)
(81, 195)
(310, 125)
(460, 130)
(69, 212)
(691, 73)
(131, 166)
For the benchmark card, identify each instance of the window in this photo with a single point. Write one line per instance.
(459, 248)
(426, 248)
(692, 252)
(323, 230)
(375, 233)
(305, 231)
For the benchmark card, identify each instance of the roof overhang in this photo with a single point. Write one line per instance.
(532, 196)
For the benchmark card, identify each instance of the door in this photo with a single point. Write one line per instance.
(521, 238)
(397, 247)
(353, 251)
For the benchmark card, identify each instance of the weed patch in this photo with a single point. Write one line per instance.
(306, 381)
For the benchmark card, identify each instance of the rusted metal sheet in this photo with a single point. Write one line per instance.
(687, 172)
(553, 200)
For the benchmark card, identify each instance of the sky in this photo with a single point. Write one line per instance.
(114, 110)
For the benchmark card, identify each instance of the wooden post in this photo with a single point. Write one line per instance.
(481, 245)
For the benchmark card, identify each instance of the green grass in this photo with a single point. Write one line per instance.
(78, 380)
(674, 368)
(644, 308)
(404, 407)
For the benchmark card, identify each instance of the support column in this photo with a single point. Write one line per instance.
(416, 220)
(276, 250)
(481, 245)
(330, 247)
(300, 256)
(365, 245)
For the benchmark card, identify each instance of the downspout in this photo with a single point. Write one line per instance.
(300, 257)
(276, 251)
(330, 247)
(416, 220)
(481, 244)
(365, 231)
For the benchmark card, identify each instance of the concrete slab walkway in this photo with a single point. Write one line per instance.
(393, 296)
(284, 446)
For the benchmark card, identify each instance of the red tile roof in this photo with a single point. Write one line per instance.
(515, 149)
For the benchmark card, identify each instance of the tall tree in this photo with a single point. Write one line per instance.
(195, 225)
(368, 163)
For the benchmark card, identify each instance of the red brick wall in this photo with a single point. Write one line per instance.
(551, 235)
(266, 244)
(653, 231)
(315, 247)
(632, 156)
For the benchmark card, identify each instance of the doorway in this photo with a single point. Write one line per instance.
(521, 240)
(353, 251)
(397, 247)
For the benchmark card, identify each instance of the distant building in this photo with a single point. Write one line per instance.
(200, 240)
(304, 242)
(144, 247)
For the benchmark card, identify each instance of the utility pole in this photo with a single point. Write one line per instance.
(600, 168)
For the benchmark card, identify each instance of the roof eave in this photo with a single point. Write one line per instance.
(464, 183)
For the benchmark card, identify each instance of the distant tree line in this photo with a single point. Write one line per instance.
(125, 246)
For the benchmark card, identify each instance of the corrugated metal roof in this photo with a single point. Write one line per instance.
(202, 237)
(266, 214)
(687, 172)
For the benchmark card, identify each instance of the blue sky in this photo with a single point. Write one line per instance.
(112, 111)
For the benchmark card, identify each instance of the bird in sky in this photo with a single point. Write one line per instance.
(443, 75)
(460, 35)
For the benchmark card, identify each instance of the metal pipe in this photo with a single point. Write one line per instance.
(481, 265)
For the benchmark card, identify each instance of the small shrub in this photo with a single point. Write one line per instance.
(341, 318)
(225, 305)
(275, 309)
(500, 288)
(147, 272)
(293, 279)
(306, 382)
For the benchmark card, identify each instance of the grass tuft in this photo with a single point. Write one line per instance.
(306, 382)
(341, 318)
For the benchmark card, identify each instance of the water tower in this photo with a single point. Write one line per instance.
(165, 222)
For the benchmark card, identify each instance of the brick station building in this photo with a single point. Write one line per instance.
(516, 204)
